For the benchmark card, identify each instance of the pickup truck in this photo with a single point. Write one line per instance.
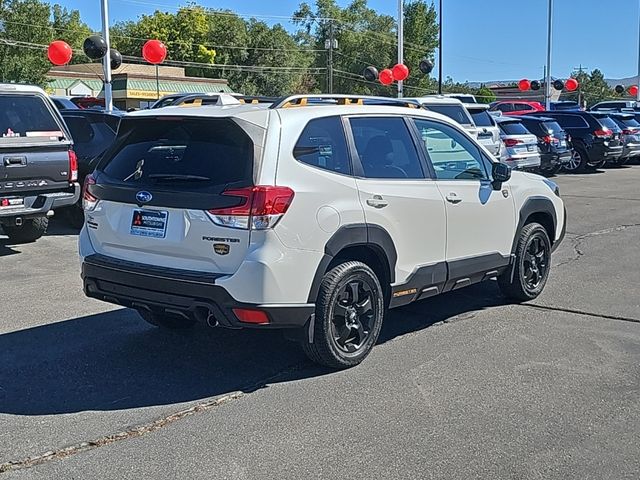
(38, 167)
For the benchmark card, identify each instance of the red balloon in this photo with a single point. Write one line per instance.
(571, 84)
(154, 51)
(524, 85)
(59, 52)
(400, 72)
(386, 76)
(633, 90)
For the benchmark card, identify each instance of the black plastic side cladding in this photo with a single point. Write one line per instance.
(532, 206)
(352, 236)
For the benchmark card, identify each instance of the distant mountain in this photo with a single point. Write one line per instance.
(501, 83)
(622, 81)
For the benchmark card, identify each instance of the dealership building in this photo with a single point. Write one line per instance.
(134, 86)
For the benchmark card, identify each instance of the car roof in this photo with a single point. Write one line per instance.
(507, 119)
(476, 106)
(534, 118)
(86, 112)
(436, 99)
(20, 88)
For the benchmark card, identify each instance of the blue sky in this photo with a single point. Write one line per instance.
(483, 39)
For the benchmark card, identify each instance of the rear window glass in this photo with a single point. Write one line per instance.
(513, 128)
(80, 129)
(607, 122)
(23, 116)
(553, 127)
(200, 152)
(630, 122)
(482, 118)
(454, 112)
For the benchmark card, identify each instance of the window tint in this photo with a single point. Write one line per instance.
(80, 129)
(322, 144)
(630, 122)
(482, 118)
(610, 124)
(522, 107)
(571, 121)
(453, 155)
(454, 112)
(513, 128)
(552, 127)
(505, 107)
(385, 148)
(195, 152)
(26, 116)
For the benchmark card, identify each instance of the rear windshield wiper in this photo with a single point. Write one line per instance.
(178, 177)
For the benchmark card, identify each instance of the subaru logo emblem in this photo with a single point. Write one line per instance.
(143, 197)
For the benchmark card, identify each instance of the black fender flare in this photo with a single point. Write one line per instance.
(352, 236)
(532, 206)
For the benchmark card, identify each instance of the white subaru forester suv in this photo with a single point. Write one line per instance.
(314, 214)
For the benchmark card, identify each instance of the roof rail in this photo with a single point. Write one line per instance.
(338, 99)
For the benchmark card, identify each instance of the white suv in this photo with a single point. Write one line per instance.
(315, 214)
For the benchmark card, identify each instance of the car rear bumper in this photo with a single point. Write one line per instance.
(190, 294)
(38, 205)
(631, 150)
(519, 162)
(555, 158)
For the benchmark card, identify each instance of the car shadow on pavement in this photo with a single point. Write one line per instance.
(115, 361)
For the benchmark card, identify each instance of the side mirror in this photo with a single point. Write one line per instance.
(501, 173)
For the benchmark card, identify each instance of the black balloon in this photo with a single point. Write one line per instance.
(116, 59)
(95, 47)
(370, 74)
(558, 84)
(425, 66)
(535, 85)
(619, 88)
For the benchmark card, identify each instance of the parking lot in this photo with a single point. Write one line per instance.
(460, 386)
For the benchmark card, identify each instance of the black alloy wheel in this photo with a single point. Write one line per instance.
(353, 315)
(536, 262)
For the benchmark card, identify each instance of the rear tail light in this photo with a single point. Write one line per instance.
(89, 202)
(512, 142)
(603, 133)
(73, 166)
(262, 207)
(630, 132)
(251, 316)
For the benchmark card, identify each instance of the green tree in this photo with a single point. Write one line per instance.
(592, 88)
(485, 95)
(67, 25)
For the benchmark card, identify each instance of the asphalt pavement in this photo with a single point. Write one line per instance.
(460, 386)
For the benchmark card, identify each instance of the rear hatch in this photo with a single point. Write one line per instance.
(518, 140)
(555, 138)
(612, 139)
(157, 184)
(488, 132)
(34, 146)
(455, 112)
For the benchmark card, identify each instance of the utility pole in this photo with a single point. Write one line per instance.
(400, 43)
(580, 69)
(638, 78)
(440, 52)
(329, 45)
(106, 61)
(547, 87)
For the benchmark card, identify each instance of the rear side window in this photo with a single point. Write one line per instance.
(522, 107)
(322, 144)
(385, 148)
(505, 107)
(26, 116)
(513, 128)
(482, 118)
(196, 151)
(552, 127)
(454, 112)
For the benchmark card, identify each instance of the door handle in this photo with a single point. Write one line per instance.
(377, 202)
(453, 198)
(15, 161)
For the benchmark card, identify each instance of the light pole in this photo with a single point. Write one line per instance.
(638, 79)
(400, 43)
(440, 52)
(547, 81)
(106, 61)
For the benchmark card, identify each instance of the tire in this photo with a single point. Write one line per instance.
(343, 341)
(529, 275)
(166, 321)
(578, 162)
(30, 230)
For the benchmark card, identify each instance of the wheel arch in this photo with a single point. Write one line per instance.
(540, 210)
(369, 244)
